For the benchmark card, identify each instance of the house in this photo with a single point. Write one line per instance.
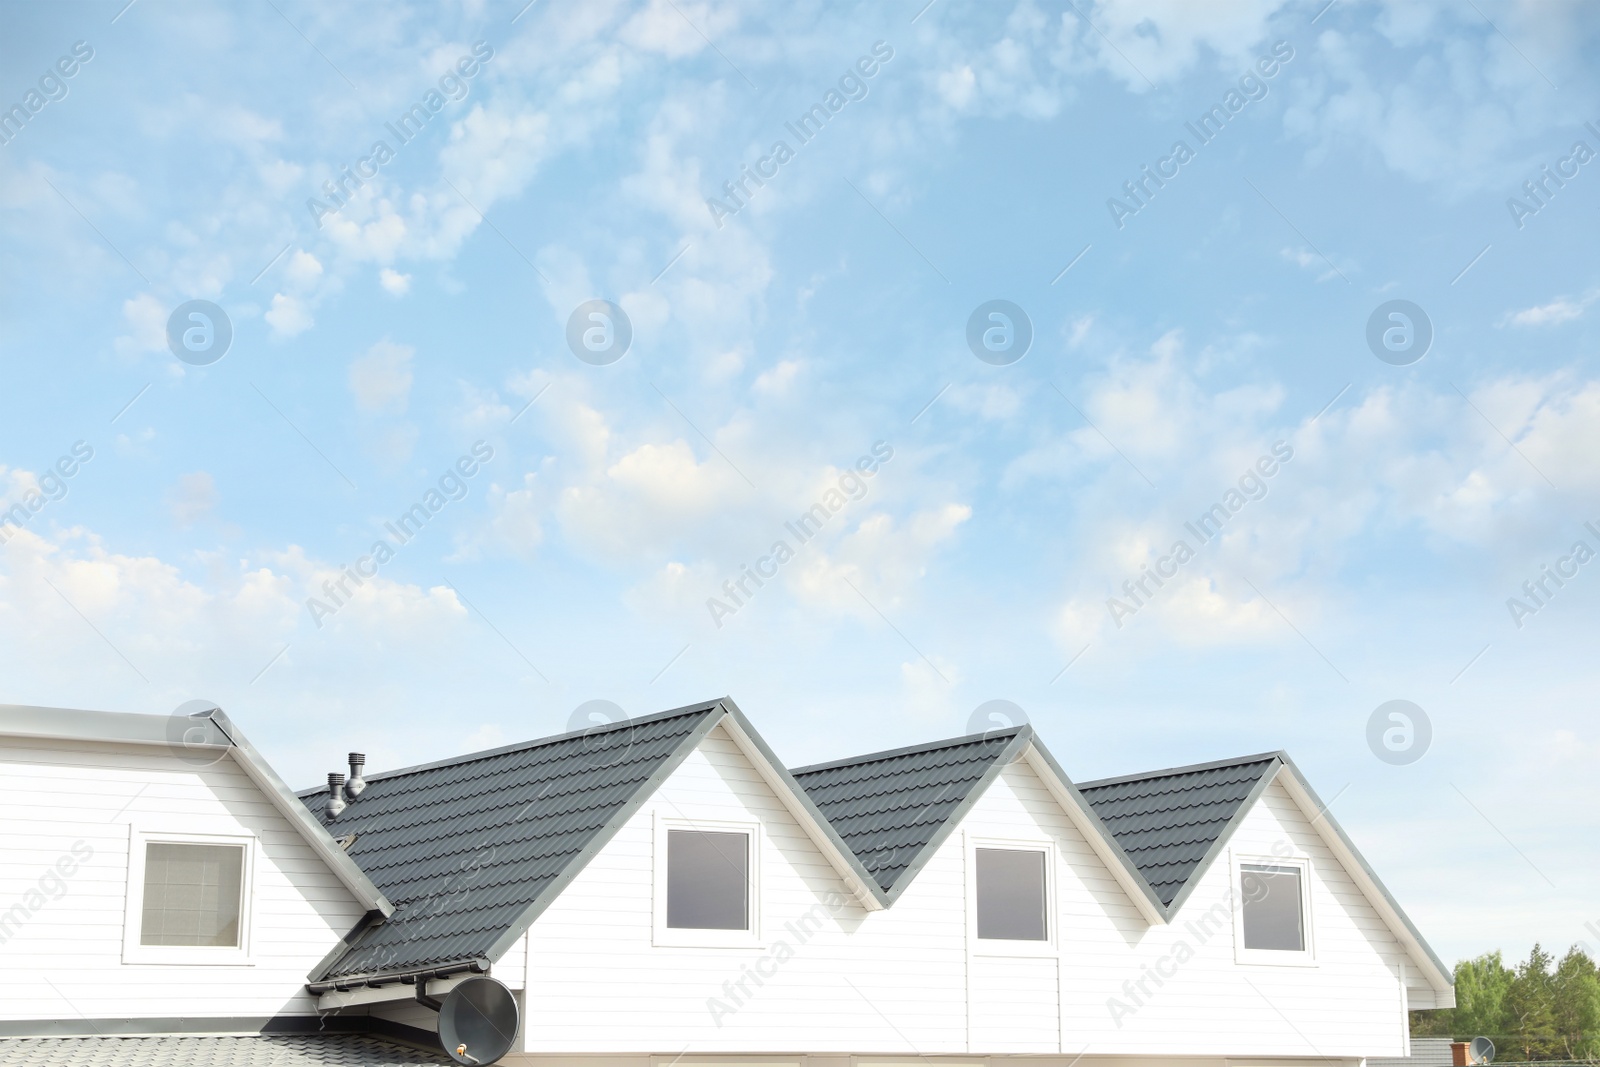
(663, 890)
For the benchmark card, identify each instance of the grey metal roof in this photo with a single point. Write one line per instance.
(1171, 822)
(893, 808)
(254, 1050)
(471, 849)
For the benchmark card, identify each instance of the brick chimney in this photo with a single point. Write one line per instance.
(1458, 1054)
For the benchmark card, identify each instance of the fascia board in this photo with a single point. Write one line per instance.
(1439, 977)
(805, 811)
(115, 727)
(1007, 756)
(1219, 847)
(290, 807)
(1095, 832)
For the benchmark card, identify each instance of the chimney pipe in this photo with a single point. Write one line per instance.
(336, 802)
(356, 784)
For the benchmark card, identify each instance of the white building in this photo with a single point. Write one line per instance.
(663, 891)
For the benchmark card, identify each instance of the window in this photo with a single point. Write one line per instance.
(192, 894)
(1010, 894)
(708, 880)
(189, 898)
(1272, 917)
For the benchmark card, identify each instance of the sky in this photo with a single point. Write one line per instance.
(1198, 379)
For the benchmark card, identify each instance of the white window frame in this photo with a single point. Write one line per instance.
(994, 946)
(664, 935)
(1306, 957)
(133, 952)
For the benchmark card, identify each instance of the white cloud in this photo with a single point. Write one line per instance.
(777, 380)
(1162, 39)
(677, 590)
(1555, 423)
(648, 498)
(289, 316)
(956, 86)
(303, 270)
(394, 283)
(518, 515)
(1559, 310)
(146, 320)
(675, 31)
(1392, 462)
(882, 559)
(1450, 105)
(184, 634)
(369, 229)
(380, 379)
(495, 151)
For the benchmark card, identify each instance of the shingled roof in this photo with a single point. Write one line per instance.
(1171, 822)
(893, 808)
(471, 849)
(212, 1050)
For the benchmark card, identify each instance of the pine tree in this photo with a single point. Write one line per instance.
(1576, 996)
(1531, 1002)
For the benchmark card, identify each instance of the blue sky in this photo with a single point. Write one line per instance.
(774, 346)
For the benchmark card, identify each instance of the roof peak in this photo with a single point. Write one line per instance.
(907, 750)
(1190, 768)
(522, 746)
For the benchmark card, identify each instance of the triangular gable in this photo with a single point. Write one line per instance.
(204, 737)
(1175, 823)
(823, 833)
(896, 808)
(473, 849)
(893, 808)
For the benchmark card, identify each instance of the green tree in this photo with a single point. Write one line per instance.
(1535, 1010)
(1483, 987)
(1576, 997)
(1530, 1002)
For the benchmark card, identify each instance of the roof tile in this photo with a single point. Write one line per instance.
(207, 1050)
(888, 806)
(1167, 821)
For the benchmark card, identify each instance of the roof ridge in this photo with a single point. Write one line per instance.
(523, 746)
(1168, 772)
(907, 750)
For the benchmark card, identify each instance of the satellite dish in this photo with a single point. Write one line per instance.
(478, 1021)
(1480, 1051)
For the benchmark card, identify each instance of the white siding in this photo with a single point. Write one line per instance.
(65, 959)
(909, 981)
(1348, 1004)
